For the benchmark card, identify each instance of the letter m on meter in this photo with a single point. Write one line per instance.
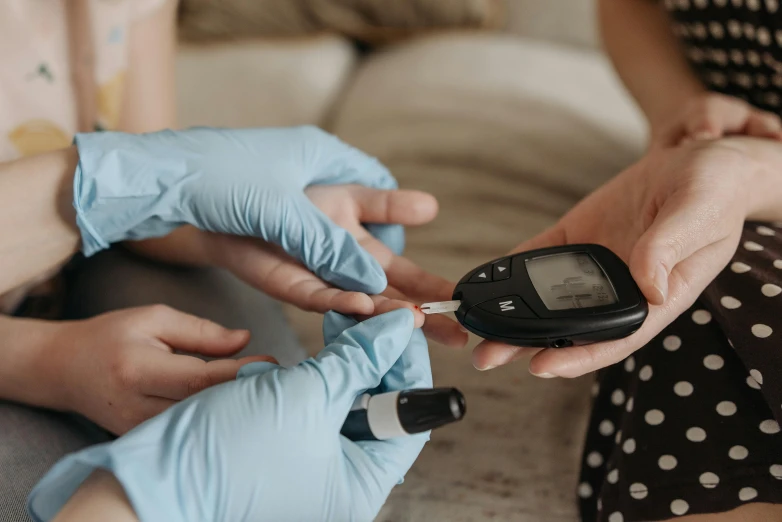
(506, 306)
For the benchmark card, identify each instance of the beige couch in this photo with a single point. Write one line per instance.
(508, 131)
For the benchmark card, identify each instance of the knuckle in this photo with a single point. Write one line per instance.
(158, 311)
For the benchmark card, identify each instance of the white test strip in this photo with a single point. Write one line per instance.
(441, 307)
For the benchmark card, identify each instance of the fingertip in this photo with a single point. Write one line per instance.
(489, 355)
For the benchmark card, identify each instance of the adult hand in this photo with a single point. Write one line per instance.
(119, 369)
(711, 116)
(267, 446)
(675, 217)
(247, 182)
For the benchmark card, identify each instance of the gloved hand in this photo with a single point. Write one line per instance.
(267, 446)
(247, 182)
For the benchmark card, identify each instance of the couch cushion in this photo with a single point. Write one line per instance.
(254, 83)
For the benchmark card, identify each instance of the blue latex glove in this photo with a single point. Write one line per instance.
(267, 446)
(247, 182)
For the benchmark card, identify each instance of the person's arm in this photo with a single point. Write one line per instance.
(37, 219)
(647, 56)
(99, 498)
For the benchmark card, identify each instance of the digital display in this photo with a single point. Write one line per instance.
(565, 281)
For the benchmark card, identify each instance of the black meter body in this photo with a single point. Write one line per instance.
(552, 297)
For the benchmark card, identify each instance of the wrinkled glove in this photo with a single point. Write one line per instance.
(247, 182)
(267, 447)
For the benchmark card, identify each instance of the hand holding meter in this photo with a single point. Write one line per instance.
(551, 297)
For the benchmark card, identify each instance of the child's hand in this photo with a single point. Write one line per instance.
(267, 268)
(119, 369)
(712, 116)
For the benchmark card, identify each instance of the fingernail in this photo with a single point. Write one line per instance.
(661, 282)
(485, 368)
(463, 329)
(544, 375)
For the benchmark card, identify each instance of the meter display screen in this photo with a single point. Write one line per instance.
(570, 280)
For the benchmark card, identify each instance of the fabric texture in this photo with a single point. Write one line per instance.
(689, 424)
(371, 21)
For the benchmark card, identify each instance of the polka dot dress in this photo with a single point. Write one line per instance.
(690, 423)
(735, 46)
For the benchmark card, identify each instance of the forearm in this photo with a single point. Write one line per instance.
(99, 498)
(38, 229)
(647, 56)
(23, 346)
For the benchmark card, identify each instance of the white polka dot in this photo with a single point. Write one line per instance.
(613, 476)
(667, 462)
(638, 491)
(629, 405)
(618, 437)
(736, 3)
(595, 460)
(646, 373)
(684, 4)
(749, 31)
(761, 81)
(709, 480)
(778, 264)
(753, 5)
(696, 434)
(654, 417)
(740, 268)
(716, 30)
(701, 4)
(595, 389)
(599, 504)
(746, 494)
(765, 231)
(761, 330)
(683, 389)
(752, 383)
(629, 446)
(776, 471)
(738, 453)
(726, 408)
(757, 376)
(731, 303)
(772, 5)
(752, 246)
(606, 428)
(769, 427)
(616, 516)
(770, 290)
(679, 507)
(630, 364)
(672, 343)
(618, 397)
(584, 490)
(701, 316)
(734, 28)
(720, 3)
(713, 362)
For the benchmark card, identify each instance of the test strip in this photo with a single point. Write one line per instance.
(440, 307)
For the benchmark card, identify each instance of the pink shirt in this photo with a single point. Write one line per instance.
(39, 43)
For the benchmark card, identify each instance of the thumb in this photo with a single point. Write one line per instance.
(328, 250)
(679, 230)
(361, 355)
(193, 334)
